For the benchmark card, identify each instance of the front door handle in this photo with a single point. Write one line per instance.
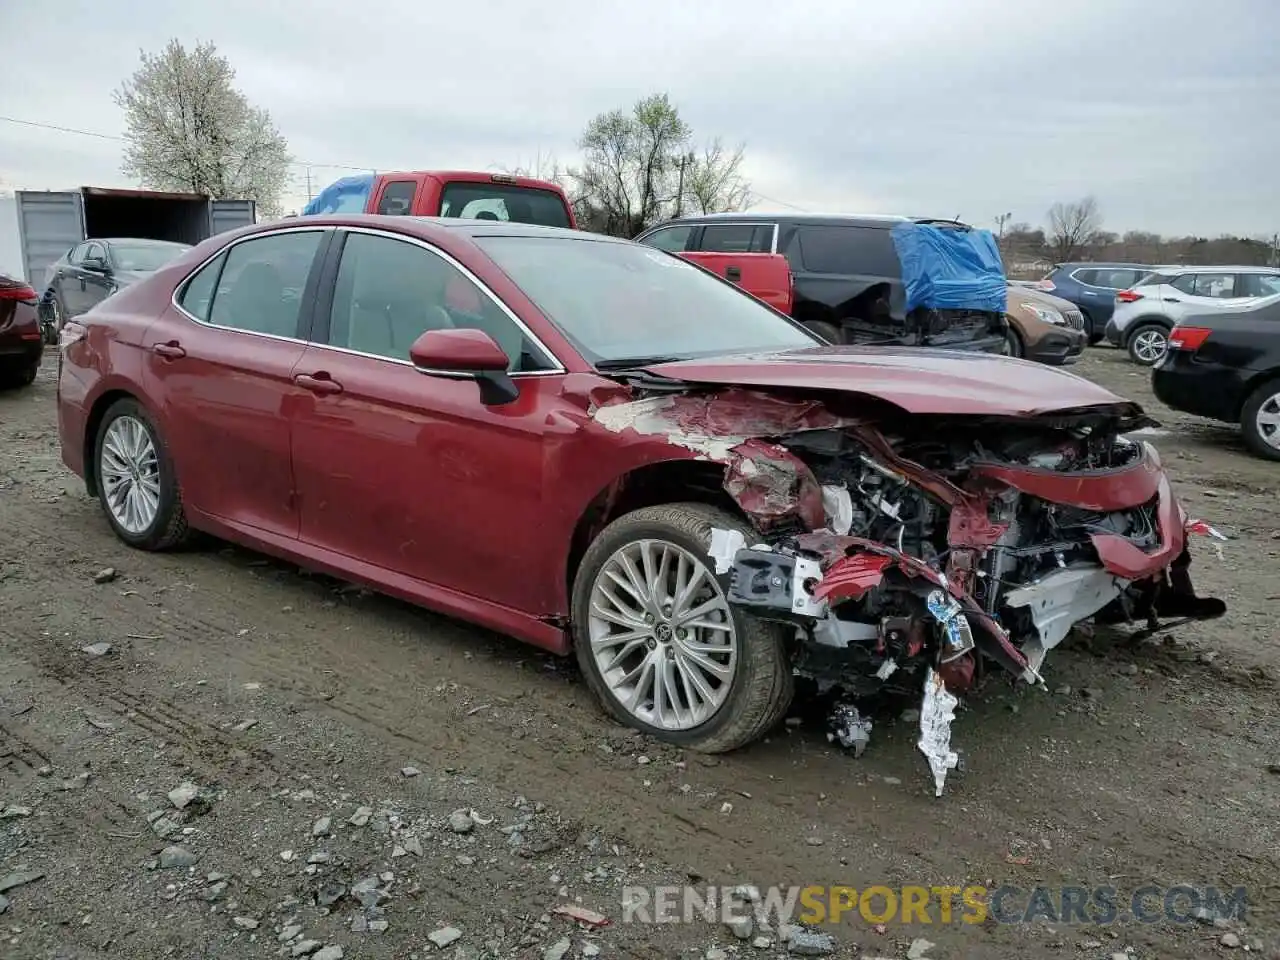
(733, 274)
(170, 351)
(318, 382)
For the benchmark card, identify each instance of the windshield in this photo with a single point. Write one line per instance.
(503, 201)
(145, 257)
(617, 301)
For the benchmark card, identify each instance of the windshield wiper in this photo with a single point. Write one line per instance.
(633, 363)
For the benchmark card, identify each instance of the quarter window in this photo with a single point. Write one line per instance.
(389, 292)
(261, 285)
(197, 295)
(397, 198)
(671, 239)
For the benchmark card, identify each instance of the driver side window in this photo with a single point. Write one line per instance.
(389, 292)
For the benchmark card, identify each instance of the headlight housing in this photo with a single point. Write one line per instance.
(1046, 314)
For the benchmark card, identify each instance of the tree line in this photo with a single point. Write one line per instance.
(1073, 231)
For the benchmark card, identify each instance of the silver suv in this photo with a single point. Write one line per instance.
(1147, 311)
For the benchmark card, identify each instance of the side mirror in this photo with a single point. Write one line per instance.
(96, 264)
(466, 354)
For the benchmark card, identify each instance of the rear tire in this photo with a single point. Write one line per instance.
(163, 523)
(758, 691)
(1264, 400)
(827, 331)
(1148, 343)
(17, 375)
(1013, 344)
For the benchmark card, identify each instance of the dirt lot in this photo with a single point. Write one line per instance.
(288, 699)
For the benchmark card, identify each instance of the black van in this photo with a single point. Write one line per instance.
(848, 279)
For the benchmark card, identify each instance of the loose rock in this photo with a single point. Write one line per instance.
(4, 903)
(245, 923)
(412, 845)
(183, 794)
(105, 575)
(331, 952)
(361, 816)
(409, 771)
(1230, 940)
(807, 943)
(289, 932)
(100, 649)
(321, 827)
(460, 822)
(557, 950)
(304, 947)
(918, 949)
(741, 927)
(176, 857)
(444, 936)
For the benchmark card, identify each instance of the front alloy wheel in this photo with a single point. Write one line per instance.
(660, 645)
(661, 634)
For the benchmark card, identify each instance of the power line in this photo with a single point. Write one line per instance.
(781, 203)
(120, 139)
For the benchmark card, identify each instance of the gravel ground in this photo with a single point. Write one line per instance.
(212, 754)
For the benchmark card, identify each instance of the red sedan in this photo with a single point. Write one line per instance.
(21, 340)
(596, 446)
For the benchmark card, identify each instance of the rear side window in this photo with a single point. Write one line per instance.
(397, 198)
(848, 250)
(1112, 278)
(737, 238)
(1258, 285)
(497, 201)
(197, 296)
(1154, 279)
(260, 287)
(671, 239)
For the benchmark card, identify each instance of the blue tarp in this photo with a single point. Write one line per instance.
(348, 195)
(950, 268)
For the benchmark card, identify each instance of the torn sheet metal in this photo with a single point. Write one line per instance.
(770, 483)
(937, 711)
(1060, 600)
(849, 728)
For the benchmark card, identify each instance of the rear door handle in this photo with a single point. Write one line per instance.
(1172, 300)
(320, 383)
(733, 274)
(170, 351)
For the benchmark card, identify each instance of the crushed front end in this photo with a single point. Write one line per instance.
(907, 552)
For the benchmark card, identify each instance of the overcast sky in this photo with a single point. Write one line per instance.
(1168, 112)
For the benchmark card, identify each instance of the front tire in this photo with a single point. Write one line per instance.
(660, 645)
(827, 331)
(1260, 420)
(1013, 343)
(1148, 343)
(136, 482)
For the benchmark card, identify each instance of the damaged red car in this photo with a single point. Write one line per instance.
(598, 447)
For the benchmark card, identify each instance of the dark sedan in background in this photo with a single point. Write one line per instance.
(1225, 365)
(91, 271)
(20, 343)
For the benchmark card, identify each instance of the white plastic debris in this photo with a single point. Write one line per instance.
(725, 545)
(838, 506)
(937, 710)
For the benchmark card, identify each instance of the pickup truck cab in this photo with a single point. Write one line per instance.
(448, 193)
(766, 276)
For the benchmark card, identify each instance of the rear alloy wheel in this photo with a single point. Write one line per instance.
(1260, 420)
(1148, 343)
(136, 481)
(658, 641)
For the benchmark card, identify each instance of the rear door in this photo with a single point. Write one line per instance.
(221, 366)
(1099, 286)
(1197, 292)
(95, 284)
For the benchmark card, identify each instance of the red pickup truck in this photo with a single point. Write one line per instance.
(448, 193)
(501, 196)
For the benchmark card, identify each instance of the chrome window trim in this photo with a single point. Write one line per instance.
(558, 365)
(186, 281)
(773, 246)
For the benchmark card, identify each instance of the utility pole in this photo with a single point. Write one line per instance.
(309, 197)
(1001, 220)
(685, 160)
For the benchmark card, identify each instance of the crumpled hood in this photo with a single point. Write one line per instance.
(917, 379)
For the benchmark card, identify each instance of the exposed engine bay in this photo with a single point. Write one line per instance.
(907, 551)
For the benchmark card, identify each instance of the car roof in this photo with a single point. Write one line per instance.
(1224, 268)
(424, 227)
(817, 219)
(1103, 264)
(138, 241)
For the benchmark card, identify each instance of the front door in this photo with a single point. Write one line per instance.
(409, 472)
(222, 369)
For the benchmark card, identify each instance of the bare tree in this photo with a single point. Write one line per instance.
(713, 182)
(189, 129)
(1072, 226)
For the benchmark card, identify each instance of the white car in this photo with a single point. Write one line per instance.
(1147, 311)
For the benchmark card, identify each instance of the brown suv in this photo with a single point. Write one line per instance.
(1044, 328)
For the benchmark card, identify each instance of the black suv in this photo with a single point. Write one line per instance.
(848, 279)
